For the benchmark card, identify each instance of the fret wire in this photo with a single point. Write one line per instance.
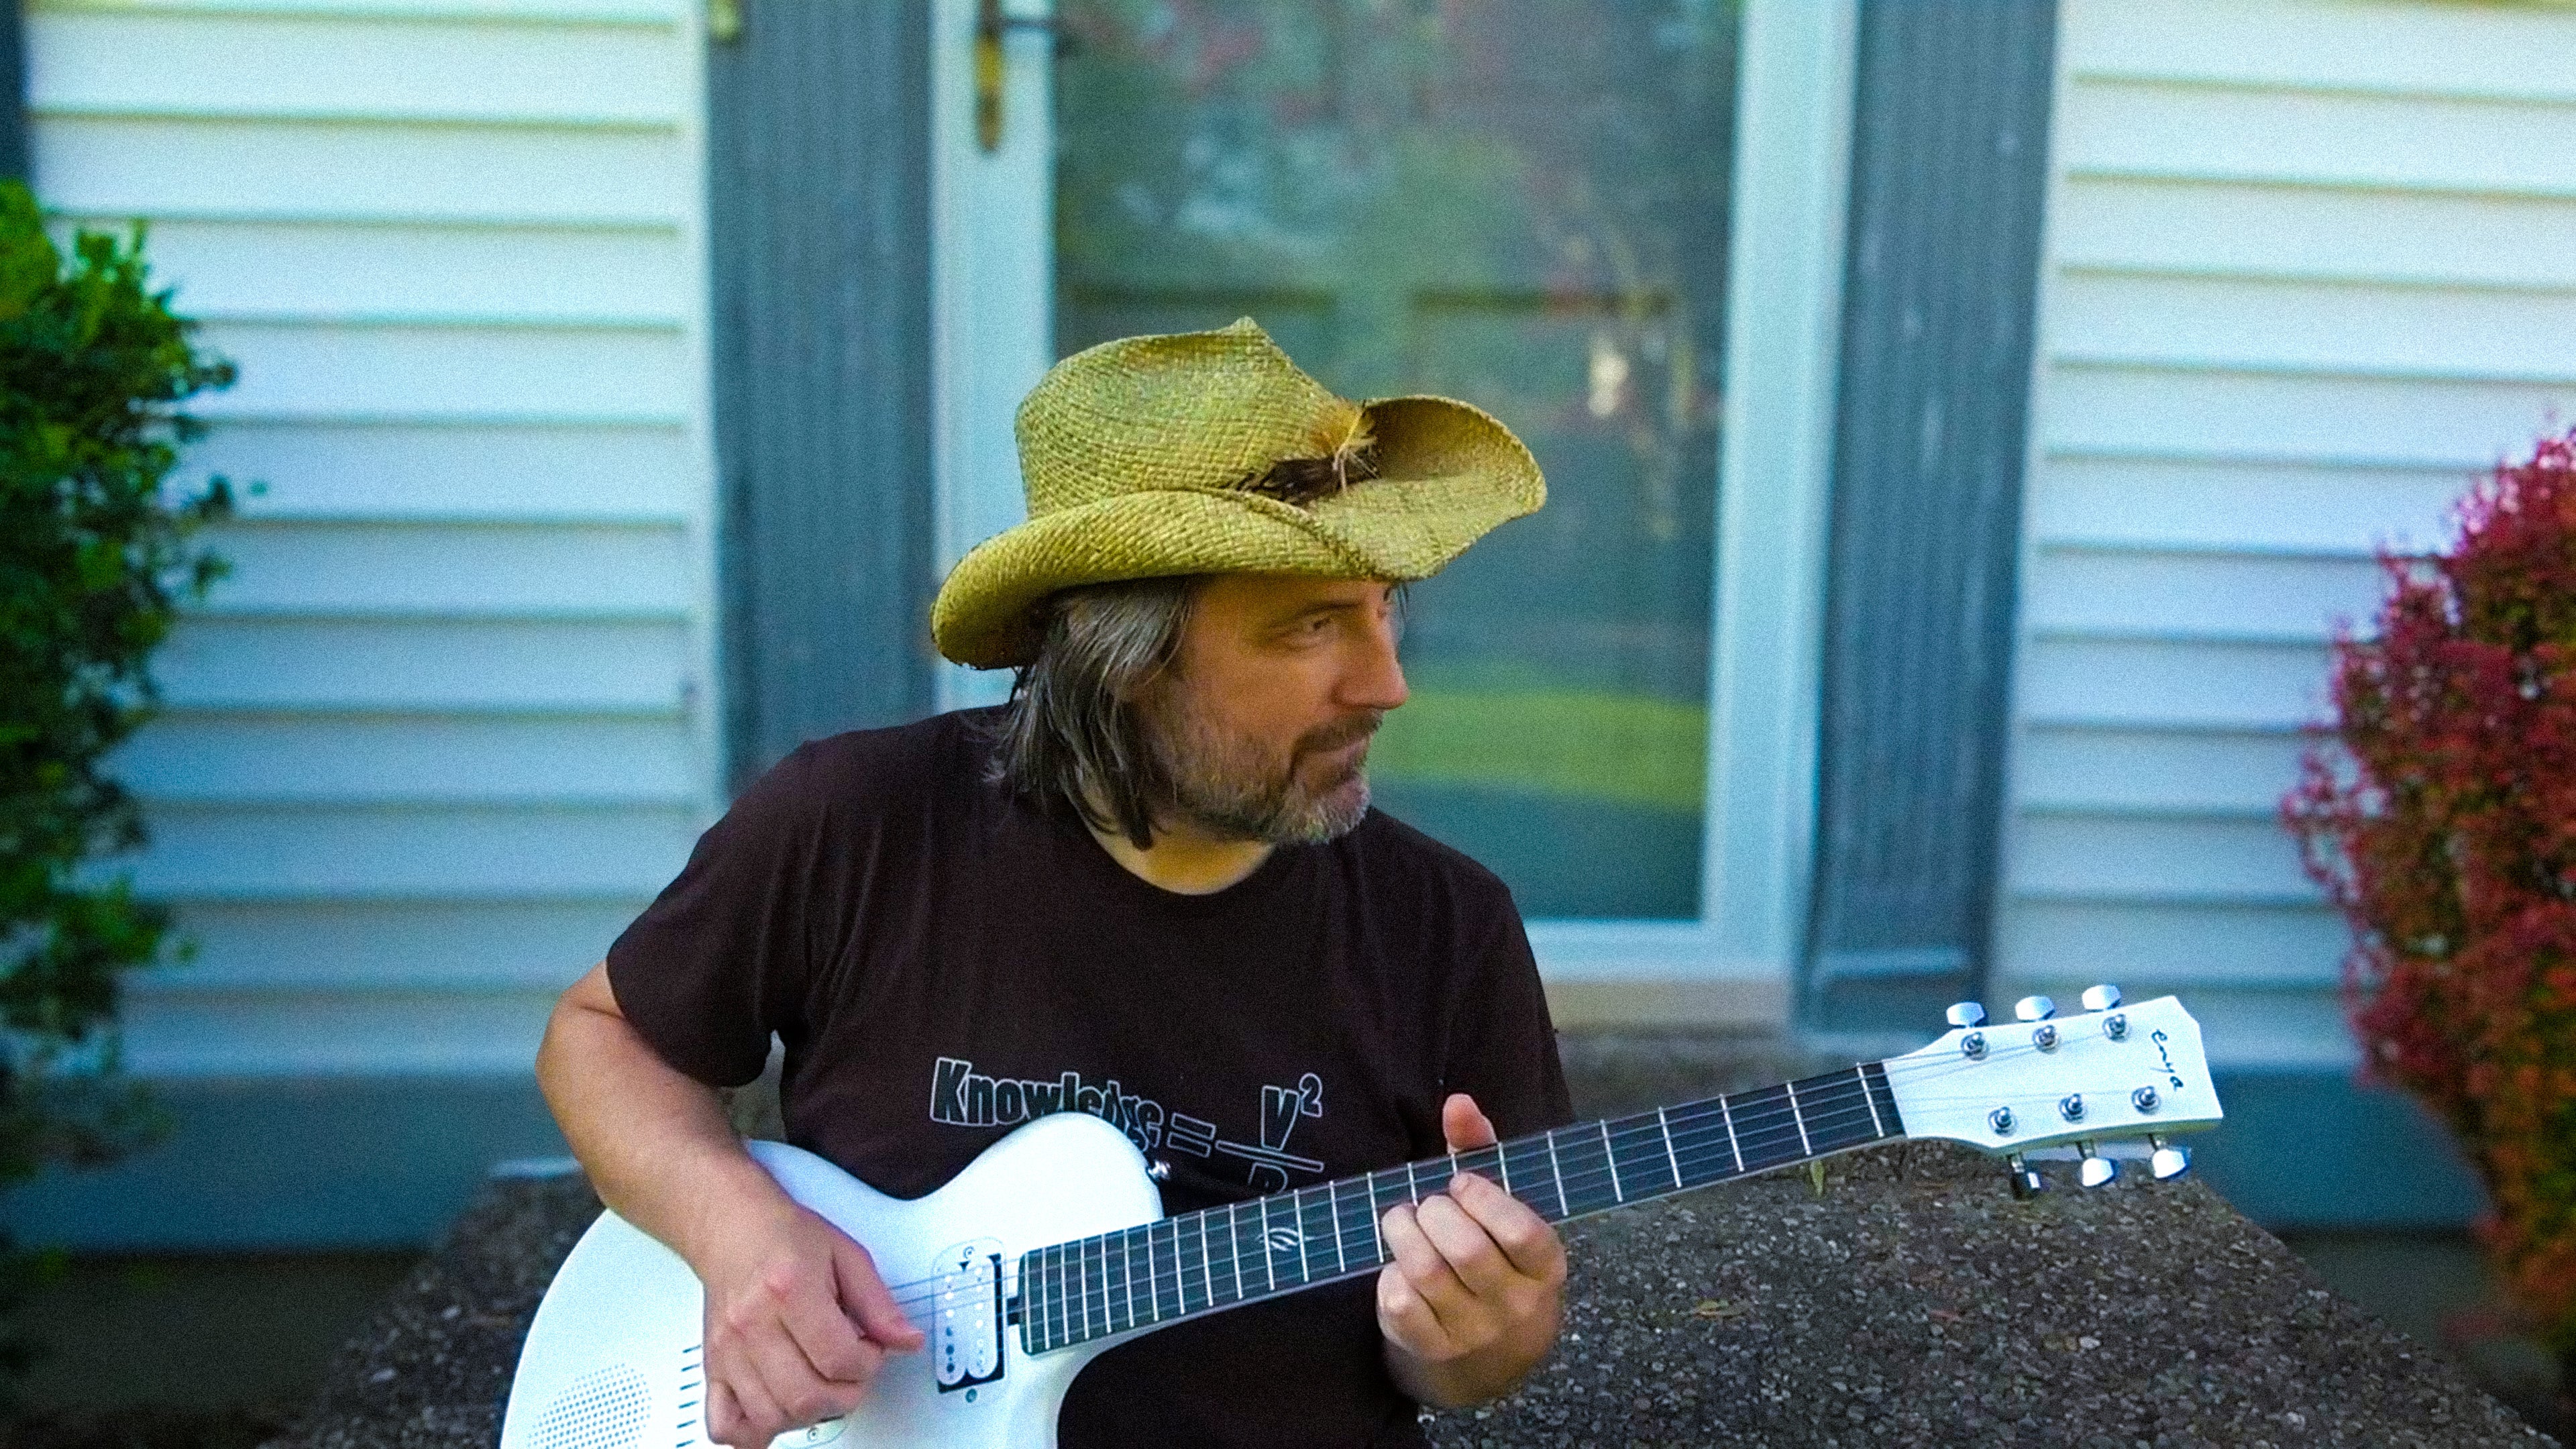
(1084, 1267)
(1127, 1272)
(1727, 1107)
(1556, 1170)
(1153, 1309)
(1804, 1146)
(1269, 1268)
(1612, 1158)
(1671, 1158)
(1110, 1278)
(1333, 1206)
(1866, 1095)
(1109, 1281)
(1207, 1273)
(1234, 1249)
(1305, 1240)
(1503, 1165)
(1176, 1309)
(1153, 1288)
(1055, 1310)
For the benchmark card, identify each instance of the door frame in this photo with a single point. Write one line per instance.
(992, 312)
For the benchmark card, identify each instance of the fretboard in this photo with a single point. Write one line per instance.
(1180, 1267)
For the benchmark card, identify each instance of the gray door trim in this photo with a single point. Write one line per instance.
(818, 176)
(1949, 181)
(14, 160)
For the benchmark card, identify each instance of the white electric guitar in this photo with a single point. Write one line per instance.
(1052, 1246)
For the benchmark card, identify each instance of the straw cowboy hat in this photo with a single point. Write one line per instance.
(1210, 452)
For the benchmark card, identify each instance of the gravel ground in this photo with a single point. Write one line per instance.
(1913, 1302)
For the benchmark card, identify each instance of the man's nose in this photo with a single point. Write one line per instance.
(1376, 678)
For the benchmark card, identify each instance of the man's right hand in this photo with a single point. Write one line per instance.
(797, 1319)
(797, 1323)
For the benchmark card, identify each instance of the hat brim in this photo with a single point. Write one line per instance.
(1447, 474)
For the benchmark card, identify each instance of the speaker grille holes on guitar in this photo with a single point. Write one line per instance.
(602, 1410)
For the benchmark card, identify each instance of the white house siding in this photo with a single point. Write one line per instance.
(444, 729)
(2311, 267)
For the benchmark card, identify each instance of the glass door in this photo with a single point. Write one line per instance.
(1522, 203)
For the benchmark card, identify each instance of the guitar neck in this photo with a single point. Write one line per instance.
(1181, 1267)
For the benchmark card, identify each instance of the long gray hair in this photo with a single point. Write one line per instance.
(1074, 734)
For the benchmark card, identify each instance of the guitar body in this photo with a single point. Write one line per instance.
(613, 1358)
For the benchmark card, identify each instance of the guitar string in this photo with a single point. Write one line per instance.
(1638, 1134)
(1099, 1298)
(1765, 1126)
(1755, 1139)
(1640, 1139)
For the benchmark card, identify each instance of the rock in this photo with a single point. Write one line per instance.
(1914, 1302)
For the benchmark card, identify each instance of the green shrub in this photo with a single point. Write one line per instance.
(94, 561)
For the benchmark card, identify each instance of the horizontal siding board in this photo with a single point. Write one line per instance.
(454, 570)
(320, 67)
(336, 469)
(2270, 1029)
(2214, 414)
(2153, 947)
(435, 741)
(321, 1035)
(355, 171)
(2206, 595)
(359, 947)
(551, 374)
(2167, 683)
(2396, 49)
(413, 666)
(195, 758)
(2313, 272)
(344, 272)
(2248, 508)
(2341, 328)
(2110, 857)
(541, 12)
(313, 853)
(2118, 128)
(2324, 233)
(2198, 772)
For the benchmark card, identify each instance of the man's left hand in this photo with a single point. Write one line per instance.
(1474, 1297)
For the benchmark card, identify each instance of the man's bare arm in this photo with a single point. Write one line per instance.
(797, 1319)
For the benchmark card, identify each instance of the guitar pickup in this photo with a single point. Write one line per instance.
(967, 1318)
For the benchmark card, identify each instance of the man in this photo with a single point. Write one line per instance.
(1150, 888)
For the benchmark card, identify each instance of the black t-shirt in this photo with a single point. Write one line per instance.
(944, 961)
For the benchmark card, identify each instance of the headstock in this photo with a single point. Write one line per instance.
(2113, 1071)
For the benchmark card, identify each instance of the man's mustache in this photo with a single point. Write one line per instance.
(1342, 732)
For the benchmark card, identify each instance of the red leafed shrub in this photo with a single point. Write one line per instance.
(2445, 830)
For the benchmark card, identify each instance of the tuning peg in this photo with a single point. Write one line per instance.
(2025, 1178)
(2094, 1171)
(2101, 998)
(2034, 1008)
(1967, 1013)
(2168, 1162)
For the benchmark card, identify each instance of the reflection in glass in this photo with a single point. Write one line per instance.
(1517, 202)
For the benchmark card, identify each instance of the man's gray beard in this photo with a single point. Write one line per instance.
(1229, 786)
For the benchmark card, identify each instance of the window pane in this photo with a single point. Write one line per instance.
(1517, 202)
